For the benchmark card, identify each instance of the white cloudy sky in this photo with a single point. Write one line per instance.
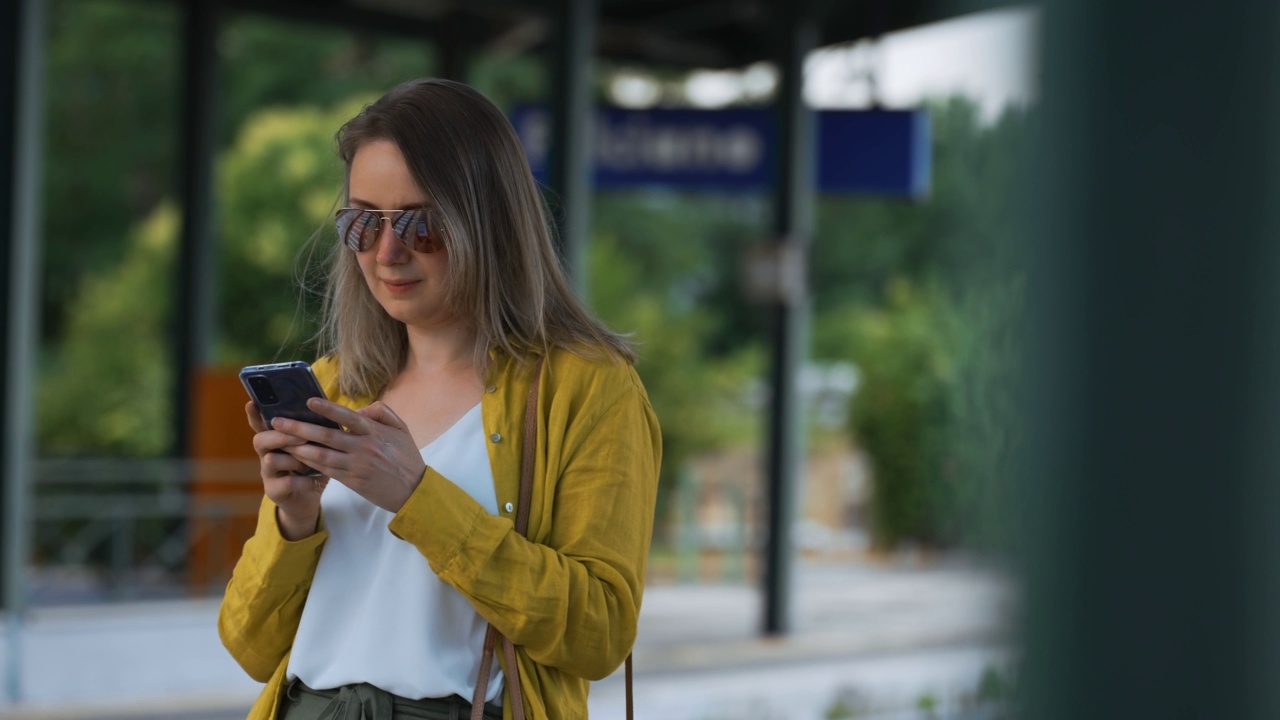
(990, 56)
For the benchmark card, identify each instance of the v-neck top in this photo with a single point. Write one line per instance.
(377, 613)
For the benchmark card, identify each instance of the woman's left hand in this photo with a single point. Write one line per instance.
(375, 456)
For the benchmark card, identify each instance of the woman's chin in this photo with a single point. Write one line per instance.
(418, 317)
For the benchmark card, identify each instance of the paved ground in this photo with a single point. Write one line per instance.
(882, 639)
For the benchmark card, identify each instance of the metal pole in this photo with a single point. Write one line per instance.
(25, 70)
(194, 319)
(795, 36)
(570, 164)
(1153, 477)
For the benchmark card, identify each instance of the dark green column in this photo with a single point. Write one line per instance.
(1153, 481)
(570, 162)
(794, 36)
(195, 286)
(22, 51)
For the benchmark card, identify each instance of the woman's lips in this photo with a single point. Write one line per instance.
(400, 287)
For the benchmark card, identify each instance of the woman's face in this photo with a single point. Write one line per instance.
(409, 285)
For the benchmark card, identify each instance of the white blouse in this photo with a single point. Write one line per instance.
(376, 612)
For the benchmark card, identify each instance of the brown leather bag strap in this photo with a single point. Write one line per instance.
(482, 678)
(528, 457)
(631, 706)
(514, 691)
(527, 461)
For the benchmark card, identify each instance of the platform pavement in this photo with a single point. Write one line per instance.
(888, 634)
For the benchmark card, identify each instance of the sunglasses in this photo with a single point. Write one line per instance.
(418, 229)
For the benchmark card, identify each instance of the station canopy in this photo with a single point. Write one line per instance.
(709, 34)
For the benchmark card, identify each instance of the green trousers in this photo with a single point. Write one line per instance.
(366, 702)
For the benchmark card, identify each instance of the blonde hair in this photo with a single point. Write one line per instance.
(504, 275)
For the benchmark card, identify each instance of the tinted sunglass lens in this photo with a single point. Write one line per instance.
(414, 228)
(363, 232)
(351, 228)
(426, 236)
(370, 224)
(344, 221)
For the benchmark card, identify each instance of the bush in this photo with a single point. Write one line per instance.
(899, 414)
(935, 411)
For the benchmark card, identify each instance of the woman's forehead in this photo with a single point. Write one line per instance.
(379, 174)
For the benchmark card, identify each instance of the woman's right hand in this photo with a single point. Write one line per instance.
(284, 478)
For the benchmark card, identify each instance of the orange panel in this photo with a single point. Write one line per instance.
(225, 486)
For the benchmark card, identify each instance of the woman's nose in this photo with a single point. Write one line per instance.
(391, 251)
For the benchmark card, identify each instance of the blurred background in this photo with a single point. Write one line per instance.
(901, 357)
(833, 311)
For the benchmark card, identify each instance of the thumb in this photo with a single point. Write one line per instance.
(382, 413)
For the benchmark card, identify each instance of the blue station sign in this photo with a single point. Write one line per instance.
(872, 152)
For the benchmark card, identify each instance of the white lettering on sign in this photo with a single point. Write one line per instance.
(636, 145)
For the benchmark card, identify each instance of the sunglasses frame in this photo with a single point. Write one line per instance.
(434, 238)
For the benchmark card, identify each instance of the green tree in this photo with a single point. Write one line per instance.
(113, 114)
(108, 393)
(276, 184)
(927, 299)
(112, 135)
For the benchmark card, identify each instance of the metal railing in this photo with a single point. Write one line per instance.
(121, 529)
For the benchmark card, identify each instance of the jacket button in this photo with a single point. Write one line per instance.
(496, 437)
(510, 507)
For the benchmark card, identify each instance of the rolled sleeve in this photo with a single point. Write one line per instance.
(263, 603)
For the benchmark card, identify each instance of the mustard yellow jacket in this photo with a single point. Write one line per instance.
(568, 596)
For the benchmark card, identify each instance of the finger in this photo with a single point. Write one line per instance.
(255, 418)
(346, 417)
(279, 463)
(310, 432)
(382, 413)
(271, 440)
(327, 461)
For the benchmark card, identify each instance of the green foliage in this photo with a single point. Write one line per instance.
(647, 268)
(995, 695)
(688, 248)
(899, 412)
(112, 135)
(936, 408)
(109, 392)
(114, 96)
(276, 185)
(849, 703)
(993, 686)
(932, 316)
(270, 62)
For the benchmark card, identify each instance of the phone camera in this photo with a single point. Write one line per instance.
(262, 389)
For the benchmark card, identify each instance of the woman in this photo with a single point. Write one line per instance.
(445, 303)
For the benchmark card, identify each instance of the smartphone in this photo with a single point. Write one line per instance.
(282, 390)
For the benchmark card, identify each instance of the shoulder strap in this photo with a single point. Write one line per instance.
(491, 635)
